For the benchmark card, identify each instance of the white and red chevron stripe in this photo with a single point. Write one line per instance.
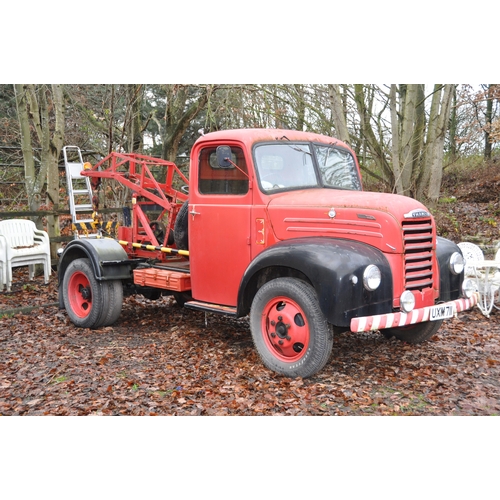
(394, 320)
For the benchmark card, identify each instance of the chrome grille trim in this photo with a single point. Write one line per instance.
(418, 244)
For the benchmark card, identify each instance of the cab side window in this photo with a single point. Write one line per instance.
(213, 179)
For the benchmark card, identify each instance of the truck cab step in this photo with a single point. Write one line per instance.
(208, 307)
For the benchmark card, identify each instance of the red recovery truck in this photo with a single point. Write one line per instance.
(273, 224)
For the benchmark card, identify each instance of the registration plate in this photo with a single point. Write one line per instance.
(441, 311)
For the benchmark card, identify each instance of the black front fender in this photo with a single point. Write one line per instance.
(334, 267)
(450, 285)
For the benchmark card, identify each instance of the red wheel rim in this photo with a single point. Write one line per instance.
(80, 294)
(285, 329)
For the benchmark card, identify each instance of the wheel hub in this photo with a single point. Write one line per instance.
(282, 330)
(80, 294)
(85, 291)
(287, 331)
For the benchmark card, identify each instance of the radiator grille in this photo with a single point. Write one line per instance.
(417, 239)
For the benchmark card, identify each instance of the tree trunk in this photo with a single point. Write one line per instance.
(53, 148)
(32, 181)
(407, 130)
(438, 149)
(339, 118)
(488, 118)
(423, 185)
(418, 138)
(396, 165)
(453, 127)
(300, 107)
(135, 141)
(278, 109)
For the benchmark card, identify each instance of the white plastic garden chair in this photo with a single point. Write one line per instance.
(3, 262)
(23, 245)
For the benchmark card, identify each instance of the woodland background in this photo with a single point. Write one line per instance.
(406, 136)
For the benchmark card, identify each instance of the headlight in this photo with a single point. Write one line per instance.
(469, 287)
(456, 263)
(372, 277)
(407, 301)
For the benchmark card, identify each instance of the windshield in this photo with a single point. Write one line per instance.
(337, 168)
(302, 165)
(285, 166)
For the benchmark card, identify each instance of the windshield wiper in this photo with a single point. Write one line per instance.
(295, 147)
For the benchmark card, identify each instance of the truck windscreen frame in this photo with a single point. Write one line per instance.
(290, 165)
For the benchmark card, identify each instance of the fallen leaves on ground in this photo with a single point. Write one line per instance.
(159, 359)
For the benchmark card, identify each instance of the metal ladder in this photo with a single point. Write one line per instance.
(79, 191)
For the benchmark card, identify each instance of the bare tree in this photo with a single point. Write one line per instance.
(488, 93)
(438, 123)
(396, 164)
(184, 103)
(40, 108)
(338, 113)
(375, 145)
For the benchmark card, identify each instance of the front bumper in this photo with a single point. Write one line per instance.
(396, 320)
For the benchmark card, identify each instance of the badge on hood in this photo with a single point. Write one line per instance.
(416, 214)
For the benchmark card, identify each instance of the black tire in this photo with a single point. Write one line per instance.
(88, 302)
(288, 328)
(181, 228)
(182, 297)
(151, 293)
(114, 291)
(413, 334)
(83, 295)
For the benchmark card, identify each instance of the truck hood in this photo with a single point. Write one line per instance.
(373, 218)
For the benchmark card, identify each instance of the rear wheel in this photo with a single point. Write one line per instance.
(89, 302)
(288, 328)
(114, 291)
(413, 334)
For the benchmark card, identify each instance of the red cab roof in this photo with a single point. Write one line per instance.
(250, 136)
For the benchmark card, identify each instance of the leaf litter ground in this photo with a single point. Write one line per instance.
(159, 359)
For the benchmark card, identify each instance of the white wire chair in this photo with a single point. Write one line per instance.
(496, 281)
(486, 276)
(471, 253)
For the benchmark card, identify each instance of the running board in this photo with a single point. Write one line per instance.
(214, 308)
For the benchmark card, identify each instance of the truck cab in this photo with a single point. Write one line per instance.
(277, 227)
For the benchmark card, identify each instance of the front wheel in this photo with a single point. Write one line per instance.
(289, 329)
(414, 334)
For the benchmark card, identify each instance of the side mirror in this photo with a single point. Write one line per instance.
(224, 156)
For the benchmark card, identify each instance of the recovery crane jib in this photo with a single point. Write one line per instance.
(143, 235)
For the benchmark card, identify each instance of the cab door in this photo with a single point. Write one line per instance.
(220, 203)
